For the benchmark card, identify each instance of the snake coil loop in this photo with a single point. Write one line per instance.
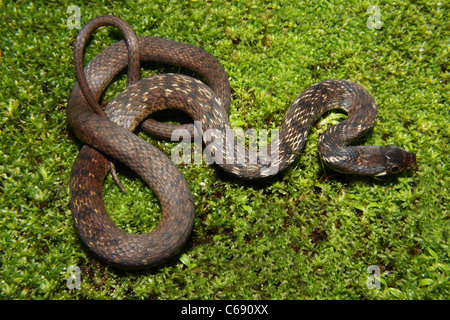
(109, 133)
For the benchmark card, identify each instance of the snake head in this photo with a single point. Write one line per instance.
(389, 160)
(373, 161)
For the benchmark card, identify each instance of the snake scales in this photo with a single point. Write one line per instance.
(108, 135)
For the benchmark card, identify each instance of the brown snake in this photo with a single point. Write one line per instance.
(109, 133)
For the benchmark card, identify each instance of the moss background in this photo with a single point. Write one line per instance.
(307, 234)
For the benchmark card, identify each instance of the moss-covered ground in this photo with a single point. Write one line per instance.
(309, 233)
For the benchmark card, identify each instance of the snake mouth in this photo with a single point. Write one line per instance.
(381, 174)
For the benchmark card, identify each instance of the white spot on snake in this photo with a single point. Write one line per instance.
(186, 91)
(204, 92)
(333, 159)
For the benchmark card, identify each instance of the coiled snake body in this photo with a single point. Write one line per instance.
(109, 133)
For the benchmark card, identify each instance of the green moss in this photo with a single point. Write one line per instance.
(309, 233)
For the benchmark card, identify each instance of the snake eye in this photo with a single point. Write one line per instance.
(394, 169)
